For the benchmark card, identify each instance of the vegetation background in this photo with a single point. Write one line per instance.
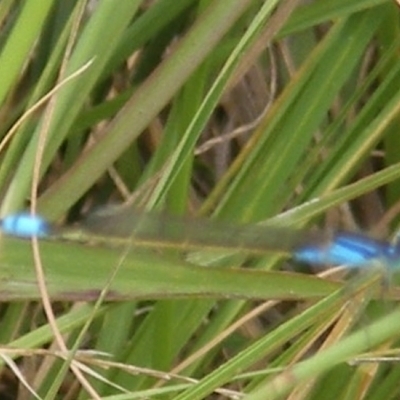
(285, 112)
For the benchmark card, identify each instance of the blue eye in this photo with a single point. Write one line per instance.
(25, 225)
(351, 249)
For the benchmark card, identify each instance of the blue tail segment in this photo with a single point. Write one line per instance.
(342, 248)
(25, 225)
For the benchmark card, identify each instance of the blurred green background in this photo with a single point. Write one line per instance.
(284, 112)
